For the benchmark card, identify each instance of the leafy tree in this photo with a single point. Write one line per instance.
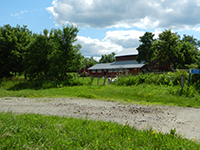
(193, 41)
(38, 58)
(145, 52)
(190, 49)
(89, 61)
(190, 55)
(67, 57)
(13, 43)
(107, 58)
(168, 49)
(53, 54)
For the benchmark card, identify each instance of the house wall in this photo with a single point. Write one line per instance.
(95, 73)
(135, 71)
(104, 72)
(133, 57)
(108, 73)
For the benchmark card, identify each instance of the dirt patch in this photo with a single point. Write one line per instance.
(161, 118)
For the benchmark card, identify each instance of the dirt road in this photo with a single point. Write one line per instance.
(162, 118)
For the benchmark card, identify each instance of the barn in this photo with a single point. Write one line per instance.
(85, 69)
(125, 64)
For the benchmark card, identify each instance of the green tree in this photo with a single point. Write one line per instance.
(190, 55)
(168, 49)
(38, 58)
(107, 58)
(190, 51)
(52, 55)
(13, 43)
(89, 61)
(193, 41)
(67, 56)
(145, 52)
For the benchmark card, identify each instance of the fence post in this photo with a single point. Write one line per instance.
(182, 81)
(189, 80)
(98, 81)
(92, 79)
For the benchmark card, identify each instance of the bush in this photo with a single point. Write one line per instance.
(186, 92)
(157, 79)
(176, 77)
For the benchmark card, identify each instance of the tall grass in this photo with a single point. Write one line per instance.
(157, 79)
(161, 89)
(31, 131)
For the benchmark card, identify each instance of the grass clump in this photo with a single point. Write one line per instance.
(31, 131)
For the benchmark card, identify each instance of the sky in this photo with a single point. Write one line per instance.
(105, 26)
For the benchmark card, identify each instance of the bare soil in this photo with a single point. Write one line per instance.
(162, 118)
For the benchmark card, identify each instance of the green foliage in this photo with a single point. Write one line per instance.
(107, 58)
(31, 131)
(51, 57)
(143, 89)
(167, 49)
(190, 53)
(42, 84)
(89, 61)
(38, 58)
(13, 43)
(46, 56)
(145, 53)
(186, 92)
(163, 79)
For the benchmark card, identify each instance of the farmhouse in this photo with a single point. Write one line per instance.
(125, 64)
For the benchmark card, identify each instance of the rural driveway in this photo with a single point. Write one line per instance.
(161, 118)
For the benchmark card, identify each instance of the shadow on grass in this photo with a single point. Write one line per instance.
(27, 85)
(37, 85)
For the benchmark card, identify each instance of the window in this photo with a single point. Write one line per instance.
(99, 71)
(110, 71)
(93, 71)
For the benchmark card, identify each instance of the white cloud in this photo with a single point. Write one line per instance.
(89, 2)
(129, 38)
(197, 29)
(96, 48)
(146, 23)
(143, 14)
(19, 14)
(114, 41)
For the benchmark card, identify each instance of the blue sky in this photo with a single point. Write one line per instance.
(105, 26)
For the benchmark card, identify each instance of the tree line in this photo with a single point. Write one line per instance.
(51, 54)
(48, 55)
(169, 49)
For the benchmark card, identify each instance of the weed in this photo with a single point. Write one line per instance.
(31, 131)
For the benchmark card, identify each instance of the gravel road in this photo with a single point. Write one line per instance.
(161, 118)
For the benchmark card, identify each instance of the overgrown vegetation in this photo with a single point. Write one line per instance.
(31, 131)
(164, 89)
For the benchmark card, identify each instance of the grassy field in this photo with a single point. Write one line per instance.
(141, 93)
(31, 131)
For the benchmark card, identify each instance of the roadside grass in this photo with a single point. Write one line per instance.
(141, 93)
(32, 131)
